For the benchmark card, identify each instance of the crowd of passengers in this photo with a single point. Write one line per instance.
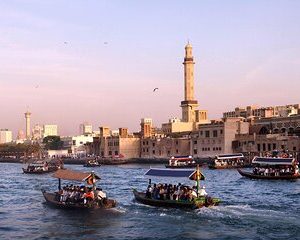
(229, 162)
(276, 171)
(80, 195)
(173, 192)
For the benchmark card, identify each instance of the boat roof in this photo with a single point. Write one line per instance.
(73, 175)
(273, 161)
(178, 173)
(229, 156)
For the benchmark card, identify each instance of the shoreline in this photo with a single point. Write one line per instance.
(103, 161)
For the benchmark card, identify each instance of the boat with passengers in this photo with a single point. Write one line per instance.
(225, 161)
(277, 168)
(181, 162)
(40, 166)
(175, 196)
(92, 163)
(84, 196)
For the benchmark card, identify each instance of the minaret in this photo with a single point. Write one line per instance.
(189, 104)
(27, 117)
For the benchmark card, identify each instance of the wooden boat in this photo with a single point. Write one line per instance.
(43, 166)
(274, 167)
(53, 198)
(197, 202)
(255, 176)
(181, 162)
(92, 163)
(225, 161)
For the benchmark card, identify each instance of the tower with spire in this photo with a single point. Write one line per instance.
(27, 118)
(189, 104)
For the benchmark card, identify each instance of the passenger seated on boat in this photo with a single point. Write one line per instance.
(194, 192)
(100, 194)
(88, 196)
(176, 194)
(202, 192)
(161, 193)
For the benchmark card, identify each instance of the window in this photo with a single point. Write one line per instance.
(116, 153)
(215, 133)
(201, 133)
(195, 151)
(221, 131)
(258, 147)
(294, 149)
(269, 146)
(176, 150)
(195, 142)
(168, 152)
(147, 150)
(264, 147)
(110, 153)
(207, 134)
(274, 146)
(153, 144)
(209, 149)
(176, 142)
(153, 151)
(214, 149)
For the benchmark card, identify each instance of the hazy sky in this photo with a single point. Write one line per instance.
(98, 61)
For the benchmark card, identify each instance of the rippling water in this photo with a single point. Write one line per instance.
(251, 209)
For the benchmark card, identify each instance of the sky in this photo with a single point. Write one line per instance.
(70, 62)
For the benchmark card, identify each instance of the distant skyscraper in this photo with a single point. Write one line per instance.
(50, 130)
(85, 128)
(5, 136)
(27, 118)
(37, 132)
(21, 135)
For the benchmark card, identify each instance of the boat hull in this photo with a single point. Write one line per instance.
(199, 203)
(254, 176)
(51, 200)
(38, 172)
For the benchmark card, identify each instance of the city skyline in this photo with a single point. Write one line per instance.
(103, 69)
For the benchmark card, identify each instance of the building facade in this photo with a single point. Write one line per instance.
(5, 136)
(50, 130)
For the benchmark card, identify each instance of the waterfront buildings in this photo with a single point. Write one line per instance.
(5, 136)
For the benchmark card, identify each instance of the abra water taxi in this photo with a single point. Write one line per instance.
(43, 166)
(92, 163)
(181, 162)
(85, 197)
(273, 168)
(175, 196)
(225, 161)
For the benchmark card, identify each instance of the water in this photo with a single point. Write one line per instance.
(251, 209)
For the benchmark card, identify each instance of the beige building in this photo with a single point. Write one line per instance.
(27, 119)
(85, 128)
(5, 136)
(264, 112)
(146, 127)
(165, 147)
(50, 130)
(217, 137)
(37, 132)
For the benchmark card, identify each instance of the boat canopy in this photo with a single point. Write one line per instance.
(179, 173)
(229, 156)
(73, 175)
(181, 158)
(273, 161)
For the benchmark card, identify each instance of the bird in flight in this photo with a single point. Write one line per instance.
(155, 89)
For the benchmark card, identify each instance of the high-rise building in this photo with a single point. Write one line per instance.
(85, 128)
(50, 130)
(27, 118)
(37, 132)
(5, 136)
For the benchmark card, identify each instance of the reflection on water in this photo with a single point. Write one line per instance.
(251, 209)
